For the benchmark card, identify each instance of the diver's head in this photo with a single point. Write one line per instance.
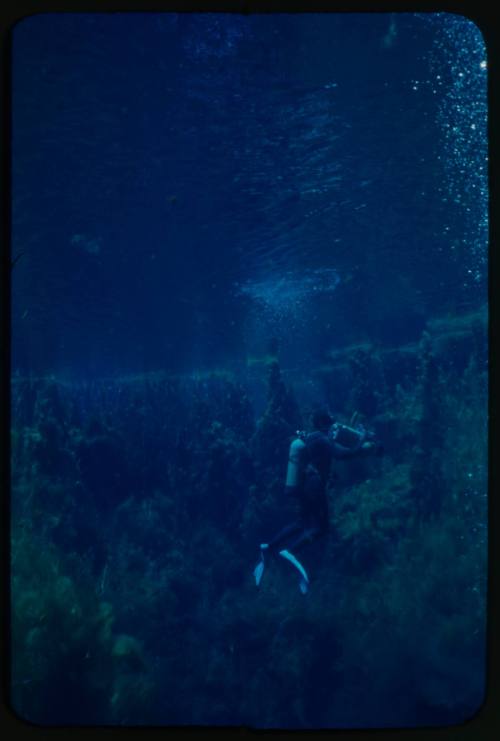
(322, 420)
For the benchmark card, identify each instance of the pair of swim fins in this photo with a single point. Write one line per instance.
(259, 569)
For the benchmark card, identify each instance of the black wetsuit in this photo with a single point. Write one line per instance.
(313, 520)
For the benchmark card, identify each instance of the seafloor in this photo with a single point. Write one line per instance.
(137, 508)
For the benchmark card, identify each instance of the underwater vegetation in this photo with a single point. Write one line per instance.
(137, 510)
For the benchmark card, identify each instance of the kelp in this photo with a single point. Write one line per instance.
(137, 510)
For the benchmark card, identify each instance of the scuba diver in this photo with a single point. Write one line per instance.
(308, 470)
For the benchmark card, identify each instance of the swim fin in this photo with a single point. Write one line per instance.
(259, 569)
(304, 581)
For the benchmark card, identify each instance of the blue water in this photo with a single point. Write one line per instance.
(158, 160)
(197, 193)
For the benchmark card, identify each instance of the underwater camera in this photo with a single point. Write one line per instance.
(350, 437)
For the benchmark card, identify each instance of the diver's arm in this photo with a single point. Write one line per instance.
(363, 449)
(340, 452)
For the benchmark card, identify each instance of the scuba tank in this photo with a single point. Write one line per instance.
(296, 458)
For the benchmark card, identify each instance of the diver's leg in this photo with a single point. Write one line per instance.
(305, 536)
(315, 519)
(287, 532)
